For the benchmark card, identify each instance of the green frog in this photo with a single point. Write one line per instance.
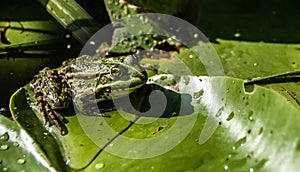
(86, 79)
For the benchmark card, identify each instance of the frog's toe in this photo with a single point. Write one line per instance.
(54, 118)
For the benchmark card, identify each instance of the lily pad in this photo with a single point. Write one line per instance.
(245, 139)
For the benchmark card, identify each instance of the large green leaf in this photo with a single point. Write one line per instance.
(247, 137)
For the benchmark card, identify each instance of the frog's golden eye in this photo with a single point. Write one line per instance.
(115, 71)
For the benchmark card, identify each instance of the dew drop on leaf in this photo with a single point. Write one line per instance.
(196, 35)
(16, 144)
(250, 115)
(237, 35)
(99, 165)
(219, 113)
(4, 137)
(21, 161)
(226, 167)
(4, 147)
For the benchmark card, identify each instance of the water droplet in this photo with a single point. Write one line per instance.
(68, 36)
(196, 35)
(226, 167)
(230, 116)
(191, 56)
(237, 35)
(68, 161)
(219, 113)
(4, 137)
(16, 144)
(21, 161)
(5, 169)
(4, 147)
(69, 46)
(250, 115)
(251, 170)
(92, 42)
(255, 64)
(99, 165)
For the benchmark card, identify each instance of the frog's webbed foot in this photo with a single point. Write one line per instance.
(55, 118)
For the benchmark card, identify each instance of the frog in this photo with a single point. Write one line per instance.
(84, 80)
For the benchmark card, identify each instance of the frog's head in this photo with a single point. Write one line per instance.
(122, 76)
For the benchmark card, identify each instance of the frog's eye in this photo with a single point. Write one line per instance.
(115, 71)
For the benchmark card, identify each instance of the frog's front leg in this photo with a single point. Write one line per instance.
(52, 93)
(48, 114)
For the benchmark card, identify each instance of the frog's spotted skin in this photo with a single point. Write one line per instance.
(90, 79)
(52, 92)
